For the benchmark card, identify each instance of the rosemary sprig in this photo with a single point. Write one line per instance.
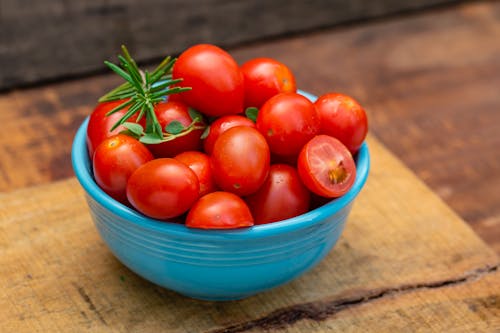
(144, 90)
(173, 130)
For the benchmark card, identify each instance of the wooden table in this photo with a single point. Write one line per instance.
(406, 261)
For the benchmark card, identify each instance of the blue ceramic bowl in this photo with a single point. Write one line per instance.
(215, 264)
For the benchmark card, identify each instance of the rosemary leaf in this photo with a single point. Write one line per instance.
(123, 87)
(120, 72)
(119, 107)
(131, 111)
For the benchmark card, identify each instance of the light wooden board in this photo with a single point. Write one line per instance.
(404, 262)
(431, 97)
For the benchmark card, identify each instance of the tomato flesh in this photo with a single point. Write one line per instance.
(326, 167)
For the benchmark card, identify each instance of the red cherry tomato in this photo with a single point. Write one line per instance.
(343, 118)
(222, 124)
(100, 124)
(163, 188)
(326, 167)
(115, 159)
(215, 79)
(178, 111)
(264, 78)
(219, 210)
(240, 160)
(288, 121)
(200, 164)
(282, 196)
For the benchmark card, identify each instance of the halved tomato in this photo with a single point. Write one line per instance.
(326, 167)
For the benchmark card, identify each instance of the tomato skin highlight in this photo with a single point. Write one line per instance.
(326, 167)
(240, 160)
(343, 118)
(200, 164)
(264, 78)
(282, 196)
(219, 210)
(222, 124)
(288, 121)
(99, 125)
(114, 161)
(163, 188)
(215, 78)
(167, 112)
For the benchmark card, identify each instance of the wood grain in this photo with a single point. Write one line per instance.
(404, 262)
(412, 310)
(44, 40)
(430, 86)
(429, 83)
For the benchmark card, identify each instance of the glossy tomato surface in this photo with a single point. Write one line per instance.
(288, 121)
(240, 160)
(175, 111)
(163, 188)
(326, 167)
(219, 210)
(100, 124)
(264, 78)
(222, 124)
(282, 196)
(215, 79)
(115, 159)
(343, 118)
(200, 164)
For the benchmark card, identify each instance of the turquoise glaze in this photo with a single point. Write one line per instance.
(215, 264)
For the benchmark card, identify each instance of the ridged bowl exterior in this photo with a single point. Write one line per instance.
(215, 264)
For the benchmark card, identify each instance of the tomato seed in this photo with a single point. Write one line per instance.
(337, 174)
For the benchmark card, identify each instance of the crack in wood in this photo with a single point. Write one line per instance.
(321, 310)
(91, 304)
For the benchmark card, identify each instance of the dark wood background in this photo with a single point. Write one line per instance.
(47, 40)
(430, 82)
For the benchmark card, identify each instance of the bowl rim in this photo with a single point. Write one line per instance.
(81, 167)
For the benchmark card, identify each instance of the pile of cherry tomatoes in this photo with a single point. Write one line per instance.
(231, 169)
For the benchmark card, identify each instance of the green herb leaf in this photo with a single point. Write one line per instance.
(205, 133)
(195, 115)
(174, 127)
(252, 113)
(150, 138)
(134, 128)
(144, 90)
(119, 107)
(130, 133)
